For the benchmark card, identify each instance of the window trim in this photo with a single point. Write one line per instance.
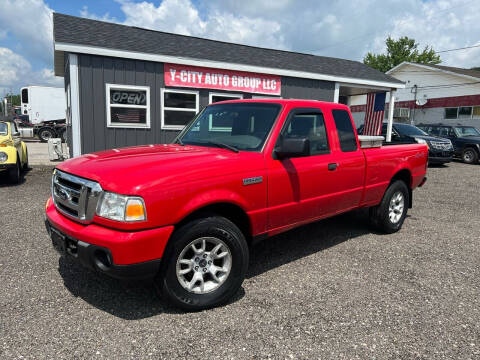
(227, 95)
(299, 111)
(163, 108)
(110, 86)
(445, 112)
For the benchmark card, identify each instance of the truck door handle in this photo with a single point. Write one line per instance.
(332, 166)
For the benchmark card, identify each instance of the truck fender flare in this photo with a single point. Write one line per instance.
(210, 198)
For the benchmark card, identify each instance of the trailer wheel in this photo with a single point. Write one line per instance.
(204, 264)
(46, 133)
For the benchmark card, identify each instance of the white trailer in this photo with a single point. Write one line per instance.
(43, 103)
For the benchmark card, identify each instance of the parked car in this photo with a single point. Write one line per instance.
(440, 150)
(13, 151)
(465, 139)
(186, 213)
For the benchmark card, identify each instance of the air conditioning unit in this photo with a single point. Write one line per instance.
(401, 113)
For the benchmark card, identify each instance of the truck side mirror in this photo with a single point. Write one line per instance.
(293, 147)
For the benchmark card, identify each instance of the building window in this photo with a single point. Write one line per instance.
(221, 123)
(451, 113)
(178, 108)
(128, 106)
(216, 97)
(476, 111)
(465, 111)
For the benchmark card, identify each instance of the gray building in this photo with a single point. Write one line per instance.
(131, 86)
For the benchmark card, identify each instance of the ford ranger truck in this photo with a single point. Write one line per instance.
(186, 214)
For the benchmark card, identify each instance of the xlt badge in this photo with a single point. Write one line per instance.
(252, 180)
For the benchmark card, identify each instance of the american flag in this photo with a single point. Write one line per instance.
(374, 113)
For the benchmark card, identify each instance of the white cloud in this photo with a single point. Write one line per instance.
(342, 28)
(106, 17)
(16, 71)
(181, 17)
(30, 23)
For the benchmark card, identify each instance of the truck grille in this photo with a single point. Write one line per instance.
(440, 145)
(74, 196)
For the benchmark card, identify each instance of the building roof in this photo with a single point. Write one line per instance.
(447, 69)
(460, 71)
(91, 36)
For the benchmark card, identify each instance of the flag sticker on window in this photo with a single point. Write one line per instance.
(253, 180)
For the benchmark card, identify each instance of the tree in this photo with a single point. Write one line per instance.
(15, 99)
(398, 51)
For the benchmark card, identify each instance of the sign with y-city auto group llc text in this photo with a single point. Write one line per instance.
(208, 78)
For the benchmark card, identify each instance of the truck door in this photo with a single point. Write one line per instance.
(301, 188)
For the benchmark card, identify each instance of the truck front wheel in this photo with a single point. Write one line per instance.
(46, 133)
(389, 215)
(204, 264)
(469, 156)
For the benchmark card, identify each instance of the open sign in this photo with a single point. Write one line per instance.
(128, 97)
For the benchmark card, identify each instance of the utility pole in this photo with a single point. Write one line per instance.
(415, 89)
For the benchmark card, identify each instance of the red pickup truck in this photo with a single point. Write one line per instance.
(187, 213)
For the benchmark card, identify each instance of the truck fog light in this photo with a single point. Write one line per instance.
(3, 156)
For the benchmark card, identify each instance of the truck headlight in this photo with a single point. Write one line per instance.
(121, 208)
(421, 141)
(3, 156)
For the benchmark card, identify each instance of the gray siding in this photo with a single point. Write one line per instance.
(94, 73)
(97, 71)
(297, 88)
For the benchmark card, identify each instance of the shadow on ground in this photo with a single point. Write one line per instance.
(138, 300)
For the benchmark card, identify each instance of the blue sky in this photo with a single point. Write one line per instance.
(339, 28)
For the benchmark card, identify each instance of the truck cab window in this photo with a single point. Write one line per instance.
(312, 127)
(346, 134)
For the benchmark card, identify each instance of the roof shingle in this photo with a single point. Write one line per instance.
(75, 30)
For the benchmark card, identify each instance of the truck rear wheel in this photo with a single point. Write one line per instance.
(390, 214)
(204, 264)
(46, 133)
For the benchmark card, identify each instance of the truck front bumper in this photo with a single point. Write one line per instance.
(119, 254)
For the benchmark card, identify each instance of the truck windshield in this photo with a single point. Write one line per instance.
(410, 130)
(466, 131)
(236, 126)
(3, 129)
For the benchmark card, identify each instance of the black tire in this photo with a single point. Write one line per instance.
(380, 215)
(14, 173)
(214, 226)
(469, 156)
(25, 165)
(46, 133)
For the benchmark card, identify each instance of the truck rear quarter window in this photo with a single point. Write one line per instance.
(346, 134)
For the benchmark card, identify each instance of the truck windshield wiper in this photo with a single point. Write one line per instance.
(225, 146)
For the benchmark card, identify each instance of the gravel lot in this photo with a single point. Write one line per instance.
(332, 289)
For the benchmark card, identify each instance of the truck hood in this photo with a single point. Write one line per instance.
(133, 170)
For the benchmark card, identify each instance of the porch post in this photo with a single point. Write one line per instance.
(391, 106)
(336, 93)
